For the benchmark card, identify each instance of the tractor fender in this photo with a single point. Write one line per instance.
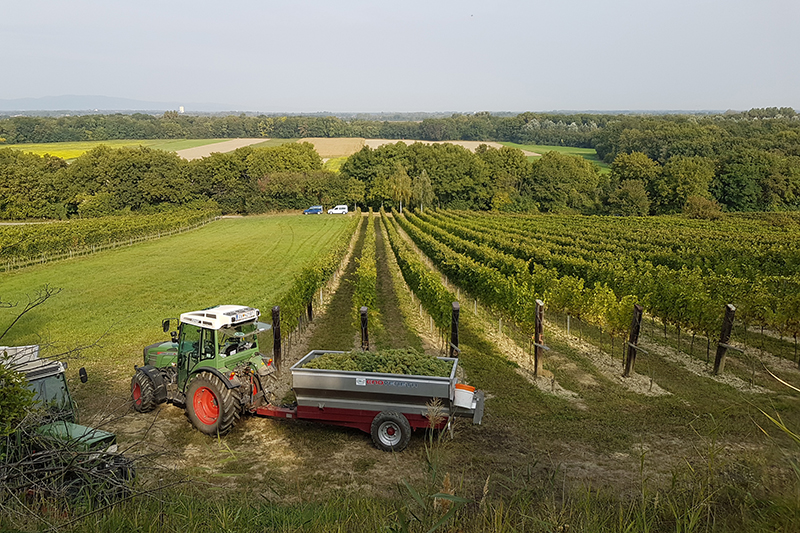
(160, 388)
(231, 384)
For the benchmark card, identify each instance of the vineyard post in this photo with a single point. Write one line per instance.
(538, 339)
(724, 338)
(454, 351)
(276, 336)
(633, 340)
(364, 330)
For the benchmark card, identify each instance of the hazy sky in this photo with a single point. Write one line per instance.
(409, 55)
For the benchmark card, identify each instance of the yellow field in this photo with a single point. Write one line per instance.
(72, 150)
(337, 147)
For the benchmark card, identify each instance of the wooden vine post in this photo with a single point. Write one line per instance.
(633, 340)
(276, 336)
(454, 351)
(724, 338)
(364, 330)
(538, 339)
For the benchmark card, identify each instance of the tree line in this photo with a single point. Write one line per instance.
(531, 128)
(106, 181)
(698, 165)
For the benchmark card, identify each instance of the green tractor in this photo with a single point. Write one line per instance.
(212, 367)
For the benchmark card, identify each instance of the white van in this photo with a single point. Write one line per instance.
(338, 210)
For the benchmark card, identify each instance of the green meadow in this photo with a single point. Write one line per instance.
(117, 298)
(587, 153)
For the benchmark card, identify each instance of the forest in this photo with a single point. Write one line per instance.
(701, 165)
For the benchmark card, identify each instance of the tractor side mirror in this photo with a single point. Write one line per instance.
(84, 376)
(165, 325)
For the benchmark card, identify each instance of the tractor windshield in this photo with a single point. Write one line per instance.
(241, 337)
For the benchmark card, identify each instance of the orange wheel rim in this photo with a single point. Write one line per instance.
(206, 405)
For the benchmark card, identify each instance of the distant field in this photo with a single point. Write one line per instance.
(333, 150)
(335, 147)
(587, 153)
(71, 150)
(334, 164)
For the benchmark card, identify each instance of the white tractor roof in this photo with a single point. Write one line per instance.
(221, 316)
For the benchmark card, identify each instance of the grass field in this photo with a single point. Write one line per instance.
(120, 296)
(587, 153)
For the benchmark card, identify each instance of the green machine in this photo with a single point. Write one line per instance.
(212, 367)
(47, 379)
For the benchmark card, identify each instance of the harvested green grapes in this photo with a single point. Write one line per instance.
(401, 361)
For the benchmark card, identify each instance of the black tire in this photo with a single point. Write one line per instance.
(211, 406)
(390, 431)
(143, 392)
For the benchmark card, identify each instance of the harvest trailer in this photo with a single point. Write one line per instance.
(213, 368)
(387, 406)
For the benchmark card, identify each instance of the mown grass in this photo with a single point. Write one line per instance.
(117, 298)
(587, 153)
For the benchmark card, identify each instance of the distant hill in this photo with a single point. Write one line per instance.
(98, 103)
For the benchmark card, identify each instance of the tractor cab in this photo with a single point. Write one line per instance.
(218, 345)
(219, 338)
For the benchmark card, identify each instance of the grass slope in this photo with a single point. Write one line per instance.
(120, 296)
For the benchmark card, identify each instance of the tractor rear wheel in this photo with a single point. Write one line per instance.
(390, 431)
(143, 392)
(210, 405)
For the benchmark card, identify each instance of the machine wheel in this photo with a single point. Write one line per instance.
(211, 406)
(390, 431)
(143, 392)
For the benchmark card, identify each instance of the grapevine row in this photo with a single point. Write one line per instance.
(515, 294)
(670, 241)
(685, 297)
(316, 273)
(27, 243)
(365, 292)
(436, 300)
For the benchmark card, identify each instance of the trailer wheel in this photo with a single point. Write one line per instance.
(211, 406)
(390, 431)
(143, 392)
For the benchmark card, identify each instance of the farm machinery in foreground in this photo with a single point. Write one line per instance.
(213, 368)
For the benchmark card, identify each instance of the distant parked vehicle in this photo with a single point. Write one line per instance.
(338, 210)
(314, 210)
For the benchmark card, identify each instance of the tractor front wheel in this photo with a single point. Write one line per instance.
(210, 405)
(143, 392)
